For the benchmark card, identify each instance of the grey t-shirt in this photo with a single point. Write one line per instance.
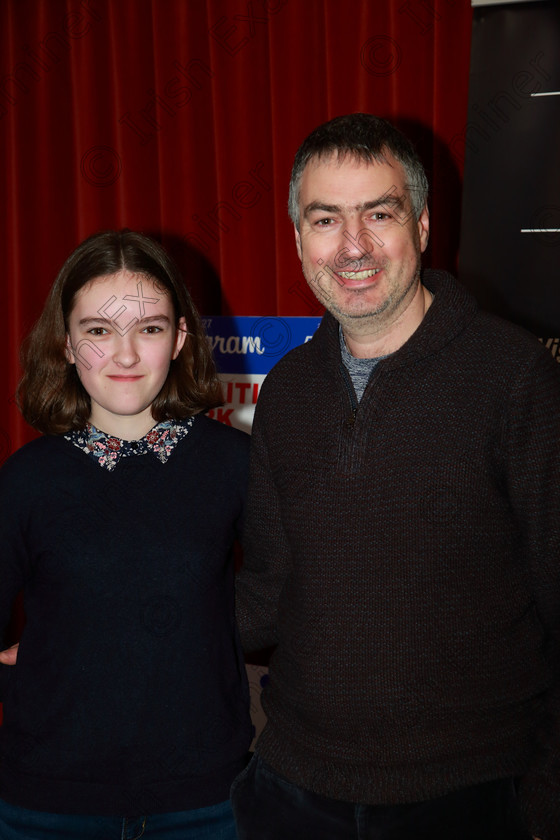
(360, 370)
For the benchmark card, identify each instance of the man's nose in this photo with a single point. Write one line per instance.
(356, 242)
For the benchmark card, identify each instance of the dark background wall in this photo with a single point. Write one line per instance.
(510, 235)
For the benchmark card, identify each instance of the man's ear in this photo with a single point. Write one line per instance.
(298, 243)
(68, 351)
(424, 228)
(180, 337)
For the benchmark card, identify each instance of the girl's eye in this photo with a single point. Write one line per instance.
(152, 330)
(98, 331)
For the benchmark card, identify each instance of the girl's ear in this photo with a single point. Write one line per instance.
(180, 337)
(68, 352)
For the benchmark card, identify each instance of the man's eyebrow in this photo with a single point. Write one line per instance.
(387, 200)
(101, 322)
(390, 199)
(318, 206)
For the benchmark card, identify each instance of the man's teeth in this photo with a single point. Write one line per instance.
(359, 275)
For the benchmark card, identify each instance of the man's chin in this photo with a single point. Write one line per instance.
(355, 315)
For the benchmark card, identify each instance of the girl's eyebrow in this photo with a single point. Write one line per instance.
(97, 321)
(85, 322)
(149, 319)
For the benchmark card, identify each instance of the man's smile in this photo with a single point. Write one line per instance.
(358, 275)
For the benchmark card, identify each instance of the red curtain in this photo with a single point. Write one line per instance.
(180, 118)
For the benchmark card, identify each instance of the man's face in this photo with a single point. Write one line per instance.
(359, 243)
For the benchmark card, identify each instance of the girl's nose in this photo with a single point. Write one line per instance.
(125, 353)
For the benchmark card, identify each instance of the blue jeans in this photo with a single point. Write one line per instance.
(212, 823)
(269, 807)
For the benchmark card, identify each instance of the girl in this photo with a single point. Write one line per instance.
(126, 714)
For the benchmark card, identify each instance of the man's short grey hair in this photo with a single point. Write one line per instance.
(366, 138)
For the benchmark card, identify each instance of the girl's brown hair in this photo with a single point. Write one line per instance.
(50, 394)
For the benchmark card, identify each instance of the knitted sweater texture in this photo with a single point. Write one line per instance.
(403, 556)
(129, 695)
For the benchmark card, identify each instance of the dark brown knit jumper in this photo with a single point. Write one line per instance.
(406, 562)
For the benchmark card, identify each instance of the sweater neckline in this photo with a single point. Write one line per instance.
(452, 309)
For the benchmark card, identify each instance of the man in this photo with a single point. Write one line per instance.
(403, 535)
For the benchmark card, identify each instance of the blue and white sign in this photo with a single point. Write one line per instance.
(245, 350)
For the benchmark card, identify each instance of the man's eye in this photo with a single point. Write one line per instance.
(324, 222)
(380, 217)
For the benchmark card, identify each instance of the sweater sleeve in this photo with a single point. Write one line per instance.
(266, 555)
(533, 447)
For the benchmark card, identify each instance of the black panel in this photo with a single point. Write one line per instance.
(511, 148)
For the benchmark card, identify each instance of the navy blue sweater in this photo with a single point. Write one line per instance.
(130, 694)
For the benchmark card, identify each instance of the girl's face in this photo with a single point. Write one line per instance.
(122, 338)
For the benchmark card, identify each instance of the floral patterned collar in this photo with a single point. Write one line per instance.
(108, 450)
